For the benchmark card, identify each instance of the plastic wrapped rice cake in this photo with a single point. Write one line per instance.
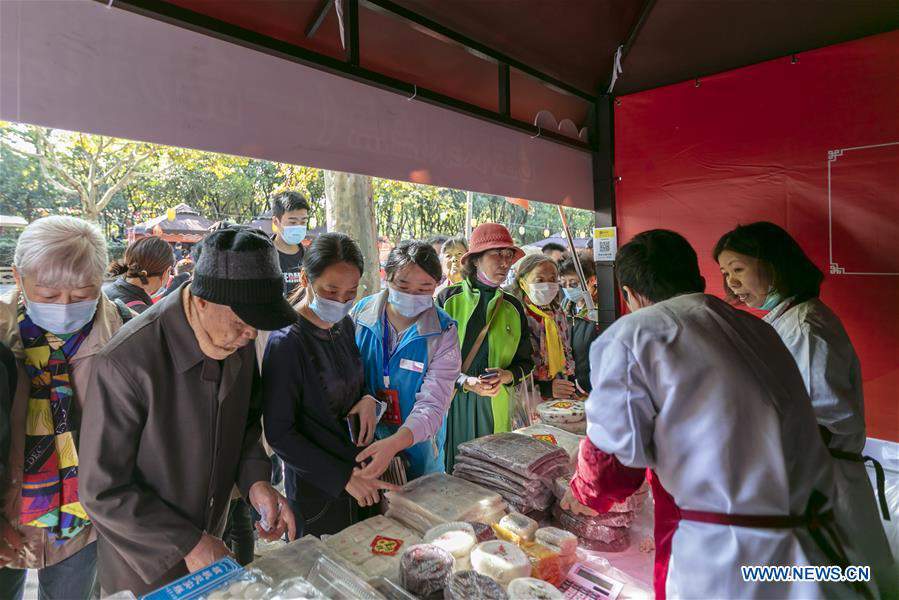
(516, 528)
(519, 453)
(528, 588)
(483, 531)
(374, 546)
(553, 537)
(592, 533)
(469, 585)
(566, 440)
(456, 538)
(440, 498)
(500, 560)
(425, 569)
(562, 412)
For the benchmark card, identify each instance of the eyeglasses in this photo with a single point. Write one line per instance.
(506, 253)
(570, 284)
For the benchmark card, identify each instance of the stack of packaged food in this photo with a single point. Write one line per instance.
(440, 498)
(570, 442)
(609, 531)
(519, 467)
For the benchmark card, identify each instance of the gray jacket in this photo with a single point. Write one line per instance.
(166, 436)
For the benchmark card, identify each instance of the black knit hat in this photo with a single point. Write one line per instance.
(237, 266)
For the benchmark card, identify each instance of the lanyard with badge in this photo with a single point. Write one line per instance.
(390, 397)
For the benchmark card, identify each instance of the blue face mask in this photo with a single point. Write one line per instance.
(771, 301)
(330, 311)
(293, 234)
(573, 294)
(409, 305)
(61, 318)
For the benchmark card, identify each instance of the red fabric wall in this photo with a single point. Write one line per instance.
(752, 144)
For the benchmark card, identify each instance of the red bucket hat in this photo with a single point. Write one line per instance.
(491, 236)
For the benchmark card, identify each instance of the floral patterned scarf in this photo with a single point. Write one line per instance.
(50, 478)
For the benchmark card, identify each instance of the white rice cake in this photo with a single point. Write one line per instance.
(500, 560)
(555, 412)
(528, 588)
(520, 526)
(553, 537)
(374, 546)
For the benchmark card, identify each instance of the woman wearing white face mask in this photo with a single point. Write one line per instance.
(141, 274)
(410, 351)
(537, 285)
(764, 268)
(54, 323)
(312, 382)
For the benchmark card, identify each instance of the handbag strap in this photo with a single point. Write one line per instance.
(481, 336)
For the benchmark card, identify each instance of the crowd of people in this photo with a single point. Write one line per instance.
(151, 407)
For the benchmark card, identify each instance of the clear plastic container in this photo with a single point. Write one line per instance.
(337, 583)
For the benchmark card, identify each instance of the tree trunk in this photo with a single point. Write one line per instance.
(350, 209)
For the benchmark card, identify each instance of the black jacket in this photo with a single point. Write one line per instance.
(311, 379)
(583, 332)
(130, 295)
(8, 381)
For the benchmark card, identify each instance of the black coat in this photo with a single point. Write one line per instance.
(582, 332)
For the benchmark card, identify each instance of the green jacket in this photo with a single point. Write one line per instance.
(508, 341)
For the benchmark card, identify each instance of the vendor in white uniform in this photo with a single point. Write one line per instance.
(710, 401)
(764, 268)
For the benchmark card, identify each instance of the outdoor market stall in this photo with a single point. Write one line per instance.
(181, 224)
(654, 121)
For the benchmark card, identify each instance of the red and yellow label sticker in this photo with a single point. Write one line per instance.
(386, 546)
(546, 437)
(562, 405)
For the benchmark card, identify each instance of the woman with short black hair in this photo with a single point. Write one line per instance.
(410, 352)
(764, 268)
(312, 382)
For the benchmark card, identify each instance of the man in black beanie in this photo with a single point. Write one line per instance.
(173, 421)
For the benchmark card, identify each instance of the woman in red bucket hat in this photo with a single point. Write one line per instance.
(493, 332)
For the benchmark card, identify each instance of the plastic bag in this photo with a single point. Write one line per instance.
(425, 569)
(524, 399)
(469, 585)
(529, 588)
(440, 498)
(518, 453)
(297, 588)
(500, 560)
(566, 440)
(593, 528)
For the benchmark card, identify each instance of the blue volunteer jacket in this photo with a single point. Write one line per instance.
(407, 369)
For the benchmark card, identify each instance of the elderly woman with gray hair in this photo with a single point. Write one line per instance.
(54, 322)
(536, 284)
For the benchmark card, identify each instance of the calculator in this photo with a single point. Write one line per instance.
(583, 583)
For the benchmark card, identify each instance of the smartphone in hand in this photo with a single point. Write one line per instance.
(489, 376)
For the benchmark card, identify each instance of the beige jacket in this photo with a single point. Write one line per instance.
(40, 551)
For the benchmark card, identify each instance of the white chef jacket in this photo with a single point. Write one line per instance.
(830, 368)
(709, 398)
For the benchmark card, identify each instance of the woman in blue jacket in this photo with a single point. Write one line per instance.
(411, 358)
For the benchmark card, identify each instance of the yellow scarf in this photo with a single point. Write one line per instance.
(554, 350)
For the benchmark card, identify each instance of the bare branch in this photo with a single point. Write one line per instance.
(129, 175)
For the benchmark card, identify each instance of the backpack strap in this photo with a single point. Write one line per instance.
(125, 313)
